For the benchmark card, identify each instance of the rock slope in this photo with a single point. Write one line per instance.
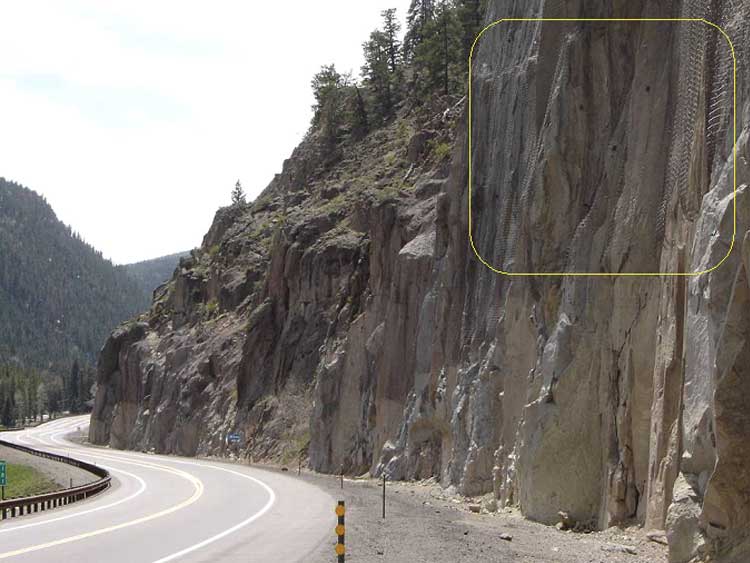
(345, 317)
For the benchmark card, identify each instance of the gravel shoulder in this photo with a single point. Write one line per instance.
(424, 523)
(60, 473)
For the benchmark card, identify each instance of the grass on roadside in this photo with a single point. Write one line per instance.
(25, 481)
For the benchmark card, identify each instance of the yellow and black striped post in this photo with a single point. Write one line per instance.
(340, 529)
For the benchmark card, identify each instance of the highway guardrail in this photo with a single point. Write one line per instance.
(26, 505)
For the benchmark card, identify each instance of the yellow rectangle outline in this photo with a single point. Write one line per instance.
(734, 145)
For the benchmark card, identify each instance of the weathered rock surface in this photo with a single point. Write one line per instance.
(345, 318)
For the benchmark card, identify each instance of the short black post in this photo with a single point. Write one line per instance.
(342, 478)
(340, 532)
(299, 465)
(383, 495)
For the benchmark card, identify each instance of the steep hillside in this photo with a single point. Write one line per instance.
(344, 314)
(58, 297)
(150, 274)
(294, 265)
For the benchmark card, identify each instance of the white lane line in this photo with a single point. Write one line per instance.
(142, 487)
(23, 440)
(198, 492)
(220, 535)
(140, 490)
(63, 444)
(37, 440)
(217, 537)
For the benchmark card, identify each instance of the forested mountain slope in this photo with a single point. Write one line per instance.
(346, 317)
(150, 274)
(59, 298)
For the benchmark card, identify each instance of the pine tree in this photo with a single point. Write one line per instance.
(329, 87)
(383, 69)
(360, 124)
(32, 397)
(43, 399)
(391, 29)
(377, 75)
(19, 399)
(72, 388)
(12, 398)
(8, 415)
(7, 392)
(55, 396)
(88, 378)
(238, 195)
(471, 16)
(325, 84)
(438, 57)
(420, 13)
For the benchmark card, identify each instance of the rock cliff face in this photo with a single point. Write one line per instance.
(345, 316)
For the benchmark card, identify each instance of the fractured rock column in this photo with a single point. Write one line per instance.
(665, 444)
(726, 506)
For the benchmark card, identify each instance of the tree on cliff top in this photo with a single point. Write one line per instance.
(471, 15)
(238, 195)
(382, 72)
(420, 13)
(330, 89)
(430, 62)
(325, 85)
(391, 29)
(377, 75)
(339, 108)
(438, 57)
(357, 110)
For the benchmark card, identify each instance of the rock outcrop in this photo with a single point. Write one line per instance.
(344, 317)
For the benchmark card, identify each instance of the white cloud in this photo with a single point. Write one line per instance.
(135, 118)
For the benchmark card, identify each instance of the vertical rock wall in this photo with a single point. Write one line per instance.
(598, 147)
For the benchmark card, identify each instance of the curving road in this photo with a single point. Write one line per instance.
(165, 508)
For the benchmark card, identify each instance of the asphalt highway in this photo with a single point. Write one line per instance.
(168, 508)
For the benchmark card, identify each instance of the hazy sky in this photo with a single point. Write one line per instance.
(134, 119)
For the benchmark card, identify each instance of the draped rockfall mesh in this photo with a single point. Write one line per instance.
(511, 163)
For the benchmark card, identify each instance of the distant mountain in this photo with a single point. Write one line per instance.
(150, 274)
(59, 298)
